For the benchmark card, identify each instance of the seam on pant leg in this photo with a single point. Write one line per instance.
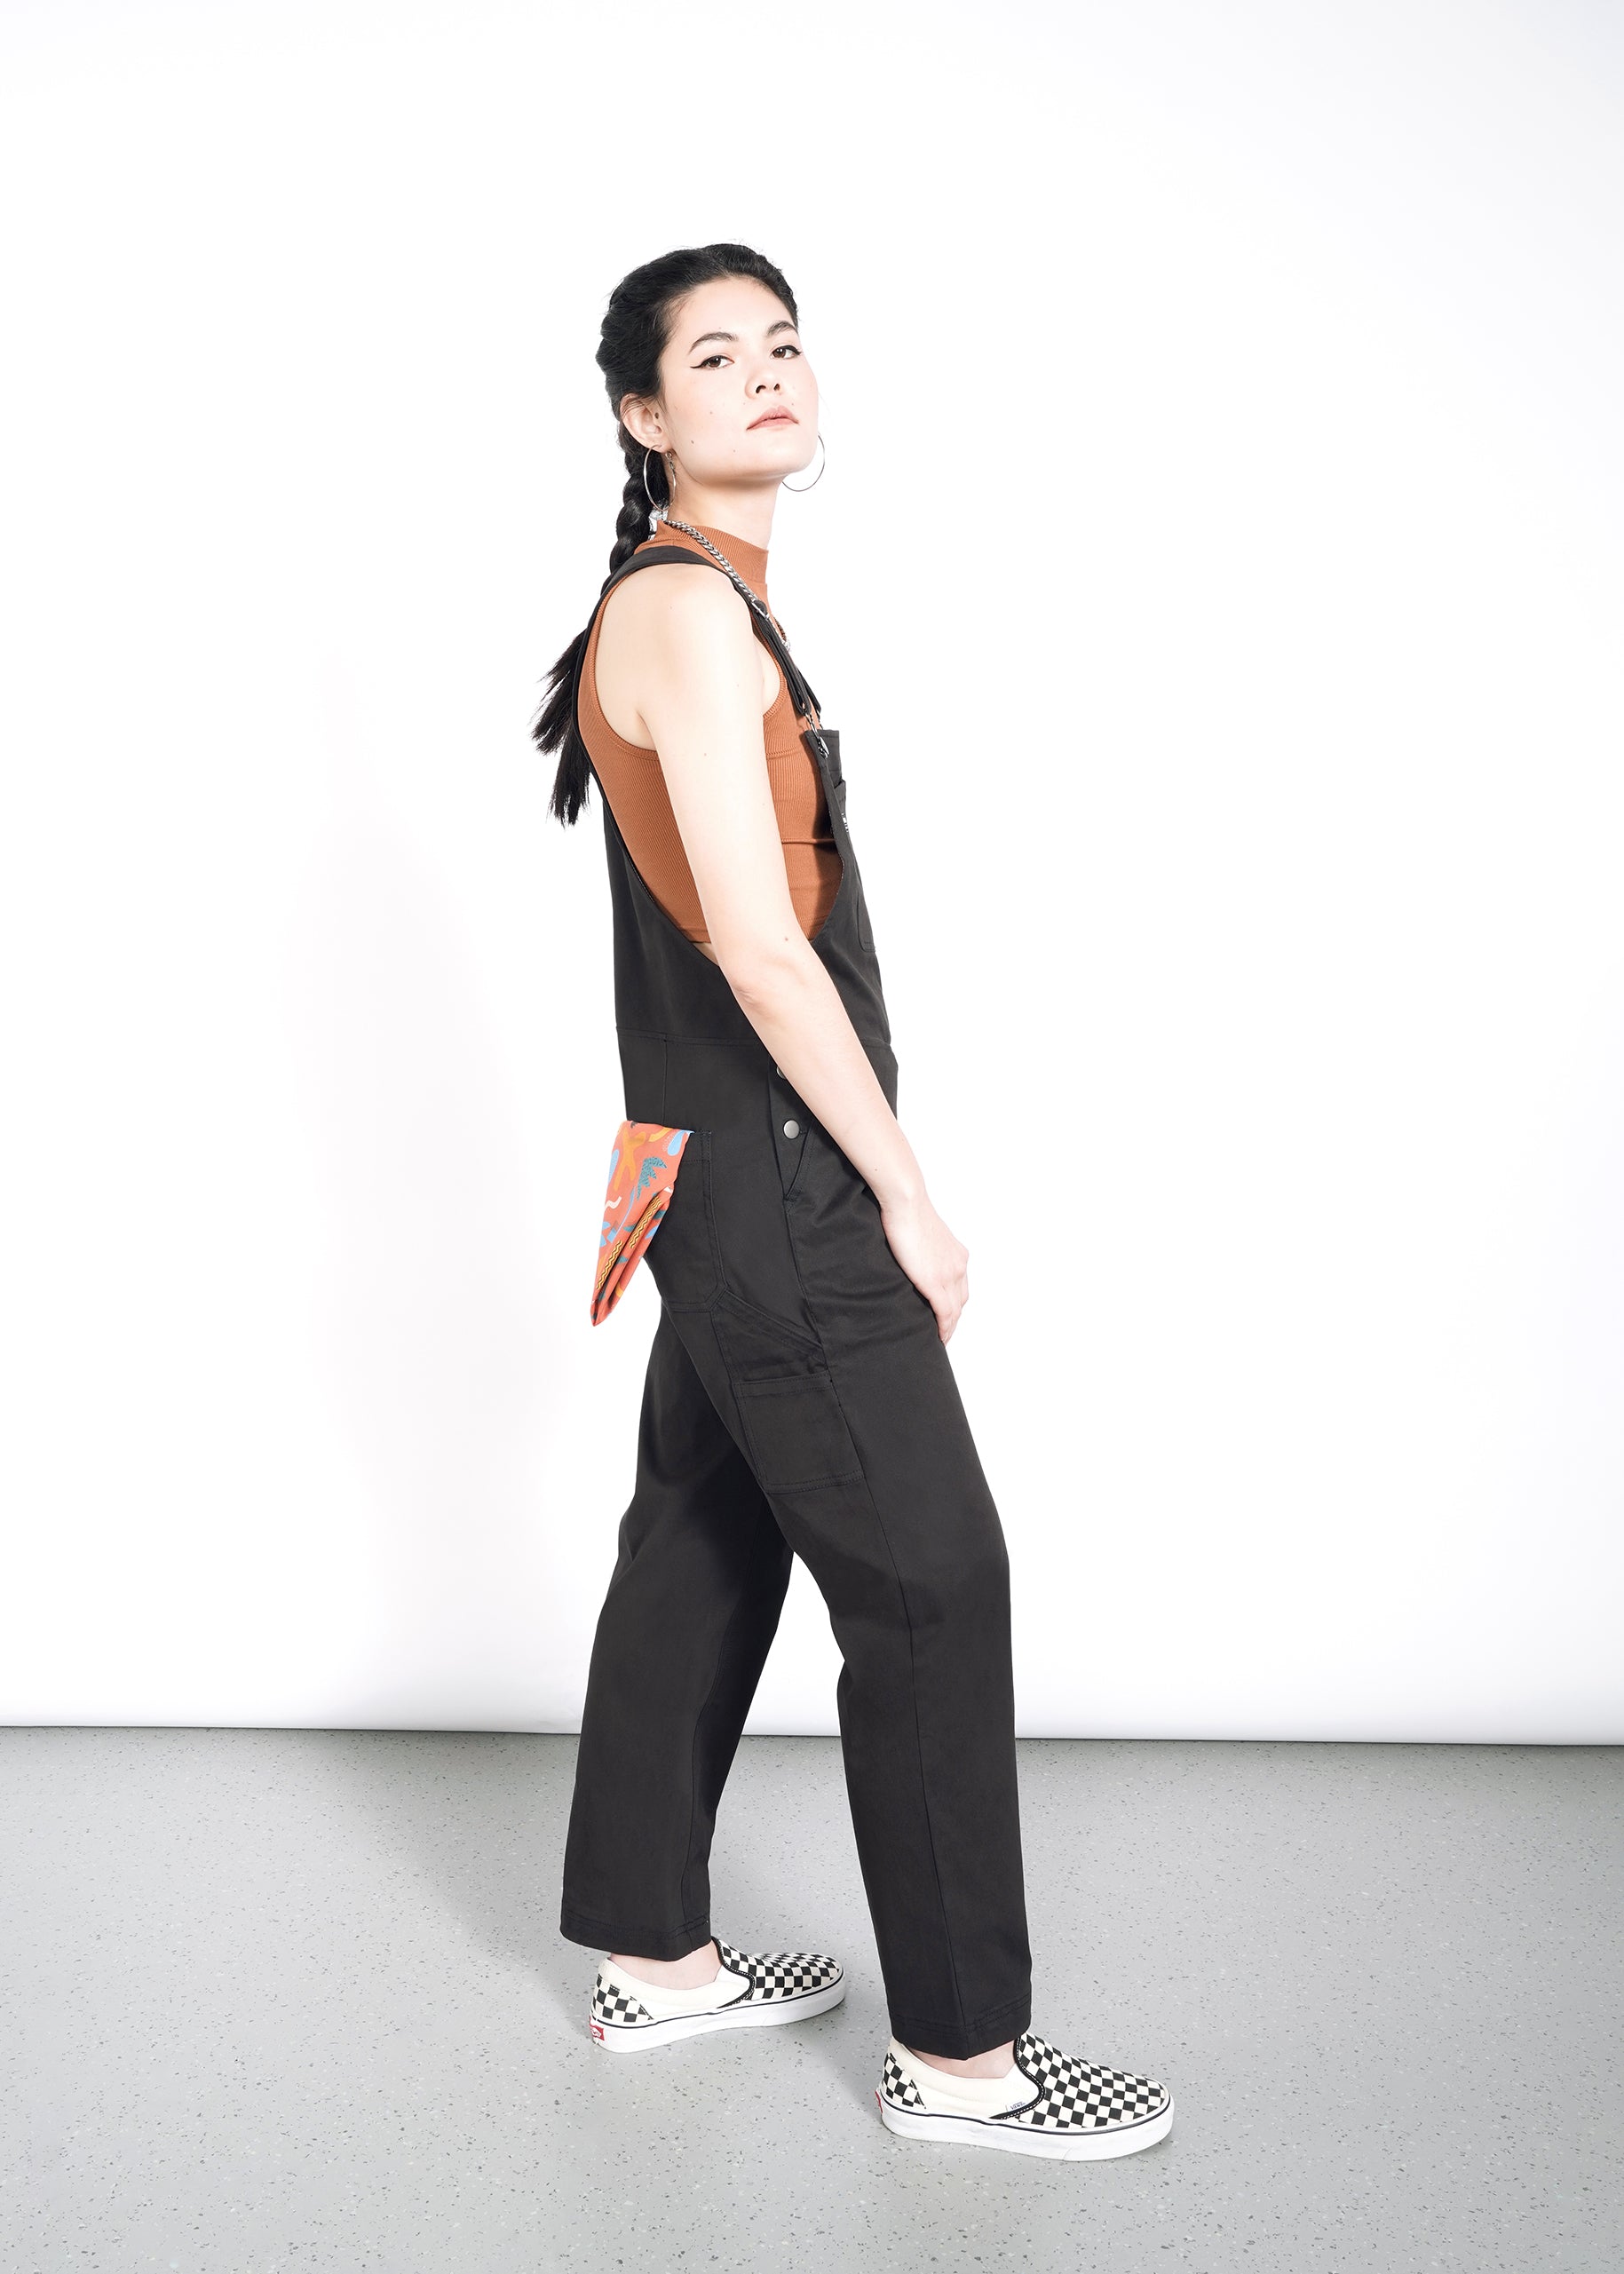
(924, 1795)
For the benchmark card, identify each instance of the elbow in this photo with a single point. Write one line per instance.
(764, 975)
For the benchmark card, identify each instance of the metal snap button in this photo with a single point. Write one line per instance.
(781, 1074)
(792, 1129)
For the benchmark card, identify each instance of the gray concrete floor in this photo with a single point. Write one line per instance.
(290, 2000)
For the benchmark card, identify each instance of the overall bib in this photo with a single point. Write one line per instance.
(799, 1400)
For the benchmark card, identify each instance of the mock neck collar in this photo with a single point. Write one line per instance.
(749, 560)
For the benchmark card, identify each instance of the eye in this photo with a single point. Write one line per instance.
(705, 362)
(787, 348)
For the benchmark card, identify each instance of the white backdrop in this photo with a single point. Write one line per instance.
(1217, 582)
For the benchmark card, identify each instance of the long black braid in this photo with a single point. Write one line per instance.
(636, 326)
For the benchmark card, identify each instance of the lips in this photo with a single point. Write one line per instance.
(773, 418)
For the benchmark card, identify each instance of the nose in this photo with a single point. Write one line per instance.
(773, 382)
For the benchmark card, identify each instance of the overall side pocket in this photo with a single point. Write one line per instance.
(795, 1432)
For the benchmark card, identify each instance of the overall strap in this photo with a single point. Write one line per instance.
(804, 702)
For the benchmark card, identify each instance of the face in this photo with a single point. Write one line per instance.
(738, 402)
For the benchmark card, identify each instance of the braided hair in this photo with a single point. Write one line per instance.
(635, 327)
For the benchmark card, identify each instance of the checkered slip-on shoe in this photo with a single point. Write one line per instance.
(1059, 2106)
(752, 1990)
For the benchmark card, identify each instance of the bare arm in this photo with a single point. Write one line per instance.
(698, 688)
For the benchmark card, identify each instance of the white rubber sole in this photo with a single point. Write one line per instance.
(1022, 2140)
(642, 2037)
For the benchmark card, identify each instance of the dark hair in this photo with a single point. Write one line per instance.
(635, 327)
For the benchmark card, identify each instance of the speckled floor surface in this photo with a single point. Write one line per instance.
(289, 1999)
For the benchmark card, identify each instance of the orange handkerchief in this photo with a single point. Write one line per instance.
(642, 1170)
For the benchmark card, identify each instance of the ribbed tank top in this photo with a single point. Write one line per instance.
(634, 782)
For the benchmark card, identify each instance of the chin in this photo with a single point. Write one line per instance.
(782, 450)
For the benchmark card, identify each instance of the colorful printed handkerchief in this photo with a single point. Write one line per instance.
(642, 1170)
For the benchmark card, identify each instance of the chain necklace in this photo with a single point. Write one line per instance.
(722, 561)
(766, 613)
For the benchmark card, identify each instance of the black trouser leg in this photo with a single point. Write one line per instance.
(690, 1614)
(901, 1536)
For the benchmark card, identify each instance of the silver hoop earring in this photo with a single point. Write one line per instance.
(653, 510)
(800, 488)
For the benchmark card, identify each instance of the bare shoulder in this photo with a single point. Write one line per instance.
(685, 596)
(677, 634)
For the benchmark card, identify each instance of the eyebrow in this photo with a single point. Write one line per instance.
(732, 337)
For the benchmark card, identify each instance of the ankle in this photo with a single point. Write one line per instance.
(997, 2063)
(691, 1972)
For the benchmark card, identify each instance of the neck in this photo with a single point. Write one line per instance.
(745, 508)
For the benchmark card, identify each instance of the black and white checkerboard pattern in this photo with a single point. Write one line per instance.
(1079, 2096)
(778, 1973)
(1072, 2095)
(898, 2086)
(615, 2005)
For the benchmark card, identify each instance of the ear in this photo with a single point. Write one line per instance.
(642, 421)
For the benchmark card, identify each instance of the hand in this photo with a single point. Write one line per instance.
(938, 1264)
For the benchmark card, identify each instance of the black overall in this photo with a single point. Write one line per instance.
(798, 1400)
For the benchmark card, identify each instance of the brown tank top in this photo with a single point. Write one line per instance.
(634, 782)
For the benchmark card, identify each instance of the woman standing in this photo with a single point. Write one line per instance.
(799, 1398)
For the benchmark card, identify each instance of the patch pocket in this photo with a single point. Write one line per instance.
(795, 1432)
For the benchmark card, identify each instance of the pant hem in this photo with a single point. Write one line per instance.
(953, 2042)
(636, 1942)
